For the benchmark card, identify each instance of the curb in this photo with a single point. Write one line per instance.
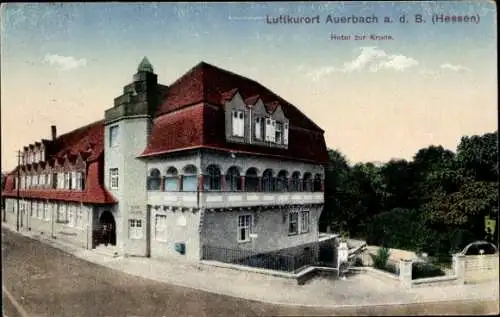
(64, 248)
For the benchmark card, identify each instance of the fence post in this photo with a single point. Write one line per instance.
(405, 272)
(459, 267)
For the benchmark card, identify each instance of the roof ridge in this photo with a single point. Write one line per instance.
(81, 128)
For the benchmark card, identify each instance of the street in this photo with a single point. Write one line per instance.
(45, 281)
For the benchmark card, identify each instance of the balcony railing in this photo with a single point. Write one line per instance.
(218, 199)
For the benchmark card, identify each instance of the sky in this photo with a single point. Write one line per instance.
(430, 84)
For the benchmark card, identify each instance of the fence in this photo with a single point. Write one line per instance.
(276, 260)
(479, 268)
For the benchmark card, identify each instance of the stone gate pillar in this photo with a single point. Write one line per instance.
(459, 267)
(405, 272)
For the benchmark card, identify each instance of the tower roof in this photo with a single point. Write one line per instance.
(145, 66)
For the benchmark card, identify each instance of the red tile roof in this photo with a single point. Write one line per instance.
(87, 141)
(192, 116)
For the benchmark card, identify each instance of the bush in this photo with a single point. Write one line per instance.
(423, 270)
(380, 260)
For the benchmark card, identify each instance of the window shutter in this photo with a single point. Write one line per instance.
(242, 122)
(272, 128)
(257, 128)
(234, 123)
(285, 133)
(268, 129)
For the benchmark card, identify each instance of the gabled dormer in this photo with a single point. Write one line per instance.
(252, 121)
(236, 114)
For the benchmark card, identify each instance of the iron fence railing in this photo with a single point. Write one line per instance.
(277, 260)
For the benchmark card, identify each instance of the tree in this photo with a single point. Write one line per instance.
(398, 228)
(335, 174)
(478, 156)
(399, 179)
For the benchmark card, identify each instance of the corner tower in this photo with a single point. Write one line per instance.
(127, 127)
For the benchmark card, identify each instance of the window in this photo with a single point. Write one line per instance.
(79, 217)
(67, 180)
(47, 179)
(267, 181)
(161, 227)
(213, 178)
(54, 181)
(71, 215)
(135, 229)
(307, 182)
(270, 127)
(244, 228)
(113, 178)
(257, 133)
(295, 182)
(154, 180)
(279, 133)
(73, 183)
(61, 213)
(282, 181)
(113, 136)
(238, 123)
(171, 180)
(317, 183)
(31, 208)
(34, 209)
(285, 133)
(251, 180)
(293, 219)
(78, 181)
(304, 222)
(233, 179)
(189, 179)
(41, 210)
(46, 214)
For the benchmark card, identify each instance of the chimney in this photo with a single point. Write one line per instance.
(54, 132)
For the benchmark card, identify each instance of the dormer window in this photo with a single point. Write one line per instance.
(238, 123)
(279, 132)
(258, 129)
(270, 130)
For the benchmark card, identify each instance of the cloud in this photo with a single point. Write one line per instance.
(455, 68)
(64, 62)
(371, 58)
(396, 62)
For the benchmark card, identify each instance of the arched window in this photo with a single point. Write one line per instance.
(307, 182)
(251, 180)
(171, 179)
(267, 181)
(317, 183)
(233, 179)
(295, 182)
(282, 181)
(189, 179)
(212, 180)
(154, 179)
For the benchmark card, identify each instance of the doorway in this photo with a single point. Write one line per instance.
(107, 228)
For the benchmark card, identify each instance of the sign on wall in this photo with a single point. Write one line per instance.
(136, 211)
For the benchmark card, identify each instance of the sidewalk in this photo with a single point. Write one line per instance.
(358, 290)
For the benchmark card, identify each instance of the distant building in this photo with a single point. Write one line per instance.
(214, 161)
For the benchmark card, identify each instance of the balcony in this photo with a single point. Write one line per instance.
(218, 199)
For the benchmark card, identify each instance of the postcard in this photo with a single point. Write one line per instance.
(249, 158)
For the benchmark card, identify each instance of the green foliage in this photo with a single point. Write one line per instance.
(398, 228)
(433, 203)
(460, 238)
(424, 270)
(380, 259)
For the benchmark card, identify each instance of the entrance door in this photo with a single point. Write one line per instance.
(108, 228)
